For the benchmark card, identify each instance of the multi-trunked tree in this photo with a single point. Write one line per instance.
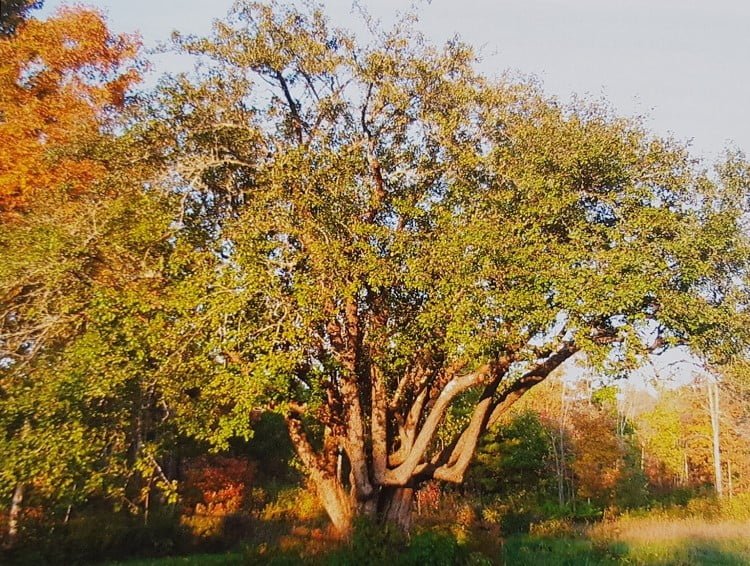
(389, 249)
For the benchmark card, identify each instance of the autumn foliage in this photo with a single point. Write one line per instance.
(59, 79)
(218, 486)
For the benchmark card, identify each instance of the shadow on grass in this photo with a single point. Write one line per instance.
(433, 548)
(370, 545)
(164, 540)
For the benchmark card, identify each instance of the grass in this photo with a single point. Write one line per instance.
(637, 540)
(680, 540)
(632, 541)
(547, 551)
(706, 533)
(542, 551)
(228, 559)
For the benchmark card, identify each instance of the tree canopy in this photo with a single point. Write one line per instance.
(75, 229)
(58, 78)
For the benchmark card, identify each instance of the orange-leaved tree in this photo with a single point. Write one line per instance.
(59, 79)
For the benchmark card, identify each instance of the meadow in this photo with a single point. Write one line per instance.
(659, 537)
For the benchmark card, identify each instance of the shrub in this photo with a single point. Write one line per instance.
(373, 544)
(433, 548)
(553, 528)
(111, 536)
(218, 486)
(370, 544)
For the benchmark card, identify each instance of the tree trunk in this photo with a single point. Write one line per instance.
(396, 506)
(14, 516)
(715, 414)
(686, 469)
(336, 503)
(560, 460)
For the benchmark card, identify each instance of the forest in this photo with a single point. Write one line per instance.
(334, 299)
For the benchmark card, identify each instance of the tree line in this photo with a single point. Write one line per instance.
(613, 448)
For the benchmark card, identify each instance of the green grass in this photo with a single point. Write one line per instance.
(523, 550)
(193, 560)
(729, 553)
(527, 550)
(657, 541)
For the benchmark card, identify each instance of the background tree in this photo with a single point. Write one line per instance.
(736, 386)
(661, 432)
(595, 466)
(58, 78)
(81, 244)
(515, 457)
(553, 402)
(374, 233)
(599, 463)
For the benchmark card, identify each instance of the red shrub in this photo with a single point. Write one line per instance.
(218, 485)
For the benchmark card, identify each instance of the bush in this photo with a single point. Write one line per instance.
(370, 544)
(216, 533)
(433, 548)
(517, 522)
(218, 485)
(373, 544)
(513, 516)
(553, 528)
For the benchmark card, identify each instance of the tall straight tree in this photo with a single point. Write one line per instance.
(376, 234)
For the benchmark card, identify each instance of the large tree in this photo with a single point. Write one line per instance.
(374, 235)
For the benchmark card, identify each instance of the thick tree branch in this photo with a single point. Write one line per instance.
(301, 442)
(354, 365)
(299, 123)
(407, 428)
(403, 473)
(379, 426)
(532, 377)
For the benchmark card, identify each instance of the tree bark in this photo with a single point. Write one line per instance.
(336, 503)
(334, 498)
(14, 516)
(383, 471)
(396, 506)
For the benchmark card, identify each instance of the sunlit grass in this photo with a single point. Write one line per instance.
(688, 540)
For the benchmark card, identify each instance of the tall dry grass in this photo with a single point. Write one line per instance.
(640, 530)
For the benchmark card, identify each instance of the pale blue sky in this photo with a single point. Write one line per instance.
(683, 63)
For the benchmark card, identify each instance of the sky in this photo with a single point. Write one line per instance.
(683, 65)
